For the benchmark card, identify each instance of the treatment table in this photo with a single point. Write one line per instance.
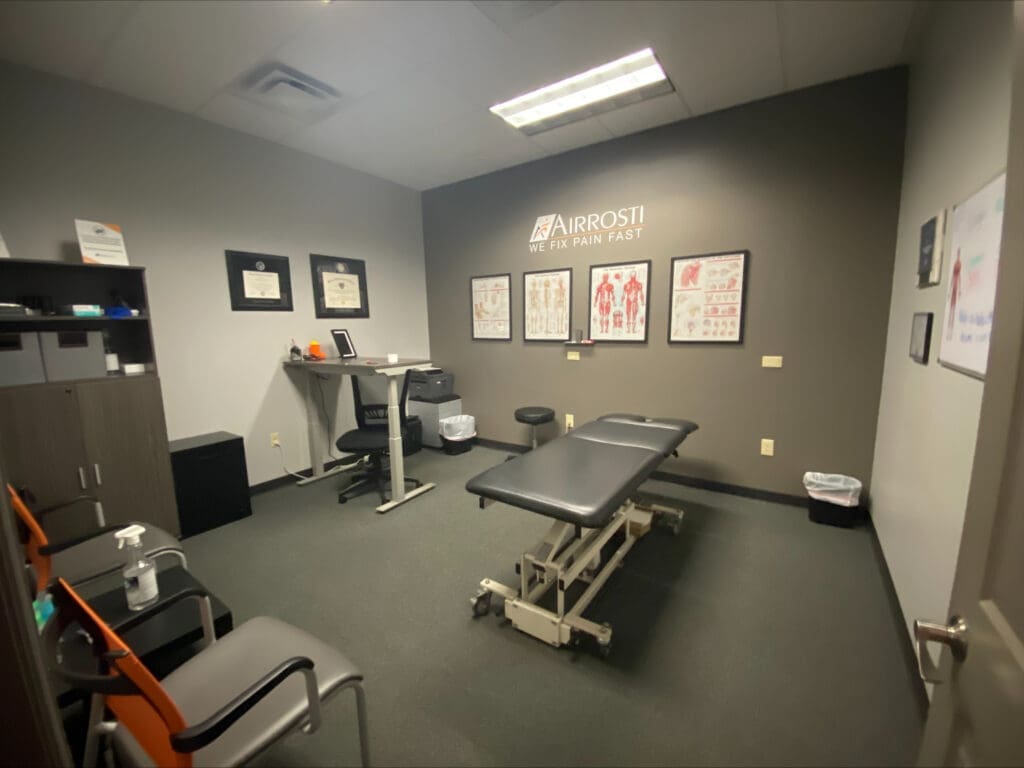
(587, 481)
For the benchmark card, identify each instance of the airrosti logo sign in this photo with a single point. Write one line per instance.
(553, 231)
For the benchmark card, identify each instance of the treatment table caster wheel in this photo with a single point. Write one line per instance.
(481, 604)
(604, 650)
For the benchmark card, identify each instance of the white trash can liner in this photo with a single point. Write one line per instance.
(836, 489)
(460, 427)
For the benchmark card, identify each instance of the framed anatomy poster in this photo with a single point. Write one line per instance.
(339, 286)
(258, 281)
(547, 305)
(489, 297)
(975, 236)
(706, 298)
(618, 299)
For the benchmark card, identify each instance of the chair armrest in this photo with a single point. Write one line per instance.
(40, 513)
(60, 546)
(199, 735)
(160, 606)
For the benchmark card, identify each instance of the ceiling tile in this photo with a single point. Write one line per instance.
(571, 136)
(644, 114)
(233, 111)
(716, 54)
(65, 38)
(179, 54)
(823, 41)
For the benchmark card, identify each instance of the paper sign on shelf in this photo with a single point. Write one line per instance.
(100, 243)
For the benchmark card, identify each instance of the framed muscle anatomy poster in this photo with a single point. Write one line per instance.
(489, 295)
(706, 301)
(547, 305)
(619, 306)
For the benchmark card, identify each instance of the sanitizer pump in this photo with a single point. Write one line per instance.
(139, 571)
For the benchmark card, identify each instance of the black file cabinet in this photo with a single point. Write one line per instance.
(210, 481)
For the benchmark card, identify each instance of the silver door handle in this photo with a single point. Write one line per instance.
(953, 635)
(99, 477)
(81, 479)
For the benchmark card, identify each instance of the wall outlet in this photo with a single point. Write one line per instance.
(275, 439)
(572, 354)
(771, 361)
(569, 419)
(767, 446)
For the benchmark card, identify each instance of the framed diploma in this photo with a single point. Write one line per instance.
(339, 286)
(259, 281)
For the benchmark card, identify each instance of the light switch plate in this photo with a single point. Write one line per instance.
(572, 354)
(767, 446)
(771, 361)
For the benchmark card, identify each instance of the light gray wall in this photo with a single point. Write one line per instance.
(183, 191)
(957, 135)
(808, 182)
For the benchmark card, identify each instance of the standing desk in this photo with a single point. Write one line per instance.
(317, 425)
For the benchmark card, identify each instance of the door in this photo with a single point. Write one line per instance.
(977, 713)
(126, 444)
(43, 451)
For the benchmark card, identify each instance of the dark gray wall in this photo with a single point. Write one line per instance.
(809, 182)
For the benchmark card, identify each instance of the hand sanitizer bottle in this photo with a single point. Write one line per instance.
(139, 571)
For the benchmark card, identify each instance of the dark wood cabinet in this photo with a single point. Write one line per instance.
(105, 437)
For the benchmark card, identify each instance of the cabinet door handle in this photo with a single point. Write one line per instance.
(81, 479)
(99, 477)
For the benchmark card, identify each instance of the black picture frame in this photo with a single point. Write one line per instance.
(921, 336)
(605, 339)
(478, 286)
(530, 332)
(244, 268)
(731, 294)
(320, 265)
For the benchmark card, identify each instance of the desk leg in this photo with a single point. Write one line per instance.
(316, 431)
(398, 494)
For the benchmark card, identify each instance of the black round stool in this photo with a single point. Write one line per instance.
(534, 415)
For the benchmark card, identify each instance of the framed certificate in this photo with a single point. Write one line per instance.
(259, 281)
(490, 302)
(339, 286)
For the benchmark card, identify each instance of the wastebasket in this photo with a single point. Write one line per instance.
(833, 499)
(457, 433)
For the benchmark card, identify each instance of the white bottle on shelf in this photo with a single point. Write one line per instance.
(139, 572)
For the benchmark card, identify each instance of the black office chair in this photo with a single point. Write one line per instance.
(370, 441)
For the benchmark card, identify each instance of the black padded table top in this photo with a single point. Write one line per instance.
(579, 481)
(585, 476)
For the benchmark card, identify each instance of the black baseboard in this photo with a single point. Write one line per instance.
(500, 446)
(735, 490)
(907, 646)
(283, 480)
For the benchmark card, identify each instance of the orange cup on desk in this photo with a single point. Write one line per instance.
(315, 352)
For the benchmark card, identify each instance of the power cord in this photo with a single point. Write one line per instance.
(343, 467)
(327, 417)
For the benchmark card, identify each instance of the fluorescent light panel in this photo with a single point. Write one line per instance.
(610, 86)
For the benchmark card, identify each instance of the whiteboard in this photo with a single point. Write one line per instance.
(975, 235)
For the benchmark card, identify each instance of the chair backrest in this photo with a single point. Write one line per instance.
(143, 706)
(36, 539)
(378, 412)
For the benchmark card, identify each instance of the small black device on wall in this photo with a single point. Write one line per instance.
(211, 483)
(921, 336)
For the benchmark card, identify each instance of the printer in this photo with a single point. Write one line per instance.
(431, 385)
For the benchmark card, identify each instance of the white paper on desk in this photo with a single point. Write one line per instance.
(341, 290)
(4, 253)
(100, 243)
(260, 285)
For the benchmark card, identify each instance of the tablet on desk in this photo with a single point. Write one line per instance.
(346, 349)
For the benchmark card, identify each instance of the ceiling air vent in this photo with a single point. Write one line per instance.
(278, 86)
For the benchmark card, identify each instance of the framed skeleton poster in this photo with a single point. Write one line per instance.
(489, 296)
(547, 305)
(619, 309)
(706, 298)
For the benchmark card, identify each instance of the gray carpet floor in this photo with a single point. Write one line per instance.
(754, 637)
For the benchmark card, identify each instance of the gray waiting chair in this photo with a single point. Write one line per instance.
(224, 706)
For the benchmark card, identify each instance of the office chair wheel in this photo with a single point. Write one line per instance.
(341, 498)
(481, 604)
(604, 650)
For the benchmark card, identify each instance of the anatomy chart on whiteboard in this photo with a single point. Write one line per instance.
(975, 235)
(707, 297)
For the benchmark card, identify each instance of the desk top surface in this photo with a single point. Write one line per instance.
(359, 366)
